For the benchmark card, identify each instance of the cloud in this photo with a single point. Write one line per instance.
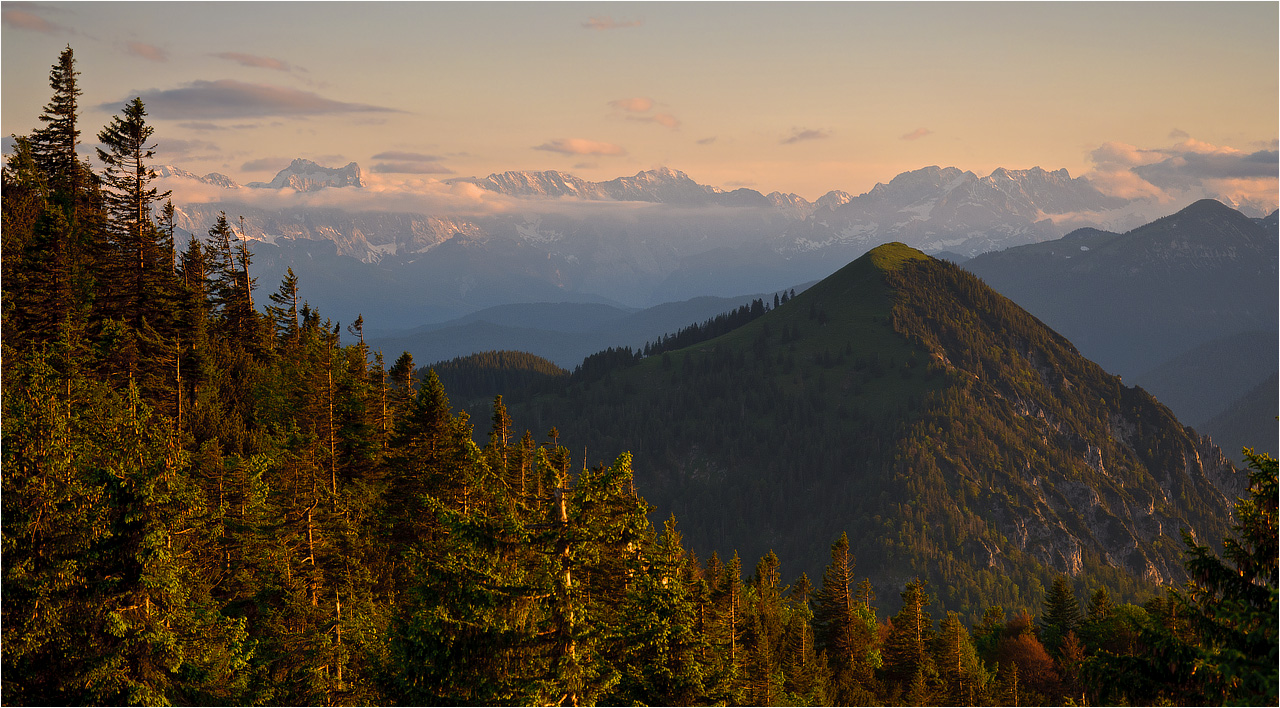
(1179, 134)
(586, 165)
(254, 61)
(406, 156)
(212, 100)
(739, 183)
(415, 167)
(640, 104)
(634, 105)
(1188, 170)
(266, 164)
(147, 51)
(666, 119)
(706, 141)
(169, 149)
(409, 163)
(204, 125)
(21, 19)
(579, 146)
(917, 134)
(200, 125)
(608, 23)
(800, 134)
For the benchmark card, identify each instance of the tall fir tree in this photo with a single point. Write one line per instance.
(1061, 614)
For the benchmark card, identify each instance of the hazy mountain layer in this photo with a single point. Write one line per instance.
(564, 333)
(656, 236)
(1132, 301)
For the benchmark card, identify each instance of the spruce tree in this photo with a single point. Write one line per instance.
(1061, 614)
(844, 626)
(54, 144)
(138, 256)
(141, 294)
(908, 661)
(963, 677)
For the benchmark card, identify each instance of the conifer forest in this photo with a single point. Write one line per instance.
(214, 495)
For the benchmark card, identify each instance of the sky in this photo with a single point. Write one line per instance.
(794, 97)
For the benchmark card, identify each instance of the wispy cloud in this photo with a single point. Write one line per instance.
(802, 134)
(411, 168)
(1179, 134)
(200, 125)
(917, 134)
(579, 146)
(642, 105)
(255, 61)
(147, 51)
(633, 105)
(266, 164)
(169, 149)
(213, 100)
(19, 18)
(409, 163)
(406, 156)
(706, 141)
(608, 23)
(665, 119)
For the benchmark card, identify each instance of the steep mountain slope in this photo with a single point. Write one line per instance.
(1131, 302)
(951, 434)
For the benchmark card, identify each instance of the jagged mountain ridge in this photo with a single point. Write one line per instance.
(951, 434)
(936, 209)
(676, 240)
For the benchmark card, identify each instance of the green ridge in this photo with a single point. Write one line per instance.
(904, 402)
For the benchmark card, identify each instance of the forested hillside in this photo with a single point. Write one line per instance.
(951, 434)
(215, 498)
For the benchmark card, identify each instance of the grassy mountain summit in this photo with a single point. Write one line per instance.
(951, 434)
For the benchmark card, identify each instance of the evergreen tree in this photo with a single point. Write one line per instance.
(908, 661)
(102, 596)
(130, 199)
(845, 629)
(141, 293)
(662, 652)
(284, 311)
(54, 145)
(1061, 614)
(963, 677)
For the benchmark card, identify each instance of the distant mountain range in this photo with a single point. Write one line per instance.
(668, 237)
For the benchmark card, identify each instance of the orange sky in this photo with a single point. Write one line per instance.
(794, 97)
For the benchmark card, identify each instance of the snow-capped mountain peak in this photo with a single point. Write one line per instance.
(216, 179)
(307, 176)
